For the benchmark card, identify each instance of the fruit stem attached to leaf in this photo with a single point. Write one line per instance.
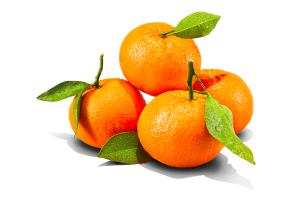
(96, 83)
(189, 81)
(204, 93)
(163, 35)
(200, 81)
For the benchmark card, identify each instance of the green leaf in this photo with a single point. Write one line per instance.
(62, 91)
(77, 105)
(125, 148)
(219, 122)
(196, 25)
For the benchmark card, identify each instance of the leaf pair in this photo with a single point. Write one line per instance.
(196, 25)
(219, 122)
(64, 90)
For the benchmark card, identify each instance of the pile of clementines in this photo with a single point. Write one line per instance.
(173, 128)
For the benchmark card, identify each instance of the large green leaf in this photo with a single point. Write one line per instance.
(77, 105)
(198, 24)
(62, 91)
(125, 148)
(219, 122)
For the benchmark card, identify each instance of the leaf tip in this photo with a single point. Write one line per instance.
(100, 155)
(39, 97)
(218, 18)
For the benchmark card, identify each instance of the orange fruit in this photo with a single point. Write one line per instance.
(230, 90)
(154, 64)
(172, 129)
(113, 108)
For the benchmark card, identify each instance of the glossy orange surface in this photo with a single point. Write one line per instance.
(173, 130)
(113, 108)
(154, 64)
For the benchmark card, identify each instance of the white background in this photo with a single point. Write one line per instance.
(43, 43)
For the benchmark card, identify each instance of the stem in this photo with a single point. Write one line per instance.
(96, 83)
(189, 80)
(164, 34)
(205, 93)
(200, 81)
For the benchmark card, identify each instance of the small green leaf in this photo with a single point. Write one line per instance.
(125, 148)
(219, 122)
(62, 91)
(77, 104)
(196, 25)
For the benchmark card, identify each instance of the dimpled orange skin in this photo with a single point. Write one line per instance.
(113, 108)
(155, 65)
(173, 131)
(230, 90)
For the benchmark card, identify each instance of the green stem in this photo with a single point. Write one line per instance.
(189, 80)
(200, 81)
(205, 93)
(164, 34)
(96, 83)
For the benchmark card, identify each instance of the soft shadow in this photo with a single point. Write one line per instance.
(245, 135)
(77, 145)
(111, 163)
(217, 170)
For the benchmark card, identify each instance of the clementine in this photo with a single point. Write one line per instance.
(113, 108)
(154, 64)
(172, 129)
(230, 90)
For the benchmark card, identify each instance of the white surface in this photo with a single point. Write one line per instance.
(43, 43)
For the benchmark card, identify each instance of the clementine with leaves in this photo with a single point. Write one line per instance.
(101, 109)
(185, 129)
